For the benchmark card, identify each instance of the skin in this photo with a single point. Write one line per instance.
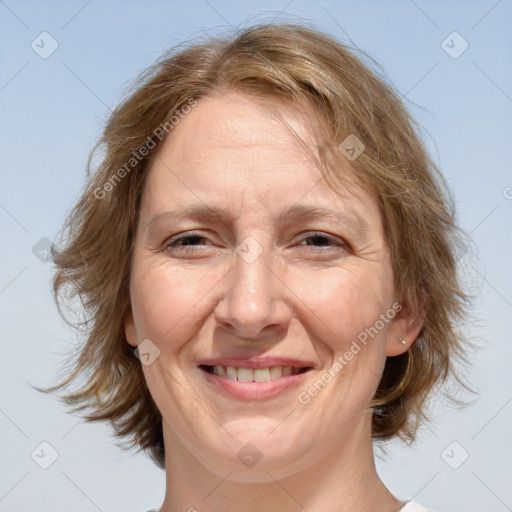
(302, 297)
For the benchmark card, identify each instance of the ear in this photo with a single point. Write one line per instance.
(406, 325)
(129, 328)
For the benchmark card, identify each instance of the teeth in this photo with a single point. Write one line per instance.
(261, 374)
(276, 372)
(245, 374)
(256, 375)
(231, 372)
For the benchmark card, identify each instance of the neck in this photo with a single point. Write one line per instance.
(342, 479)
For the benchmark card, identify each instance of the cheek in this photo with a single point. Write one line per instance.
(168, 303)
(342, 302)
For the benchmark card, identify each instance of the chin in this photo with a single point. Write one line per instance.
(257, 455)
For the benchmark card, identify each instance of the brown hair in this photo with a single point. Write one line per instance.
(293, 63)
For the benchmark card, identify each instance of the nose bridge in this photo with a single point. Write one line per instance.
(253, 296)
(252, 276)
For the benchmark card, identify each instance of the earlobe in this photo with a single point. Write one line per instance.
(403, 331)
(129, 329)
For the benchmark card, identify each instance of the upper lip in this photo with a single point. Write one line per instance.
(260, 362)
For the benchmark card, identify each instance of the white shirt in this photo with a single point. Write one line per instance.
(412, 506)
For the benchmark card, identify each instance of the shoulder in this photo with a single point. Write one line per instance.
(412, 506)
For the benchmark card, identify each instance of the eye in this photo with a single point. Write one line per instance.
(185, 242)
(323, 241)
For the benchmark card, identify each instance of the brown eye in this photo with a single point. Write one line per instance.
(183, 242)
(322, 240)
(188, 240)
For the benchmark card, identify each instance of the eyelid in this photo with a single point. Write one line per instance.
(332, 241)
(180, 236)
(331, 238)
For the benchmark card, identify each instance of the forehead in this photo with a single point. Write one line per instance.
(233, 134)
(234, 120)
(242, 152)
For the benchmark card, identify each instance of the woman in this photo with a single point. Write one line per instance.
(266, 257)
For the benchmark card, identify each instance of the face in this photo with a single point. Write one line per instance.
(244, 257)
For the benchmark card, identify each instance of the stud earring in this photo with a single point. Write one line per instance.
(402, 340)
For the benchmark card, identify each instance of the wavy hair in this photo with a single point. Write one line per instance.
(291, 63)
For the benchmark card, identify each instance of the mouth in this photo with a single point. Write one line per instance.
(242, 374)
(253, 384)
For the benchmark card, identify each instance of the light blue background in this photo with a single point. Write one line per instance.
(51, 113)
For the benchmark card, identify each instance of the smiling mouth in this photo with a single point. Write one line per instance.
(254, 375)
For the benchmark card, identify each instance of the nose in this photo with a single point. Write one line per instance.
(254, 302)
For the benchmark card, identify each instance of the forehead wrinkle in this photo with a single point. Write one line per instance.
(280, 118)
(203, 212)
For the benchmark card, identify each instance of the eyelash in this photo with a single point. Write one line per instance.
(172, 243)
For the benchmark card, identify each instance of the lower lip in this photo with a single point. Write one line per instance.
(253, 390)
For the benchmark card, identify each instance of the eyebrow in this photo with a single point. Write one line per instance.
(203, 212)
(306, 212)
